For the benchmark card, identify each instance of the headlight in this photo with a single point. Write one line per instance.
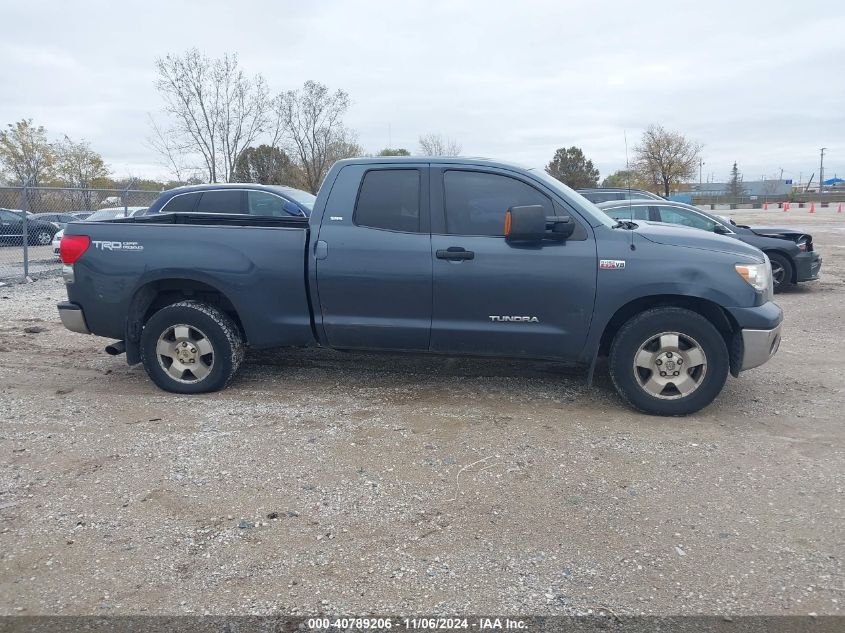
(759, 276)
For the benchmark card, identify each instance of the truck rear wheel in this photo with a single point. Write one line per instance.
(191, 347)
(668, 361)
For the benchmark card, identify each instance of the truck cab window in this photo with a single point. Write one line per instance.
(390, 199)
(476, 202)
(221, 201)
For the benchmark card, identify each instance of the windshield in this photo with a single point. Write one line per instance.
(572, 197)
(302, 197)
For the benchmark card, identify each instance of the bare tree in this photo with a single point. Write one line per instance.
(25, 153)
(174, 154)
(437, 145)
(666, 158)
(309, 123)
(216, 110)
(735, 187)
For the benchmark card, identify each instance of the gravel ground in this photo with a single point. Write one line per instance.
(322, 481)
(41, 261)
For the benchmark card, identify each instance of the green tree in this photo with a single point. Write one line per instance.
(572, 168)
(735, 188)
(77, 165)
(623, 178)
(266, 165)
(25, 153)
(399, 151)
(666, 158)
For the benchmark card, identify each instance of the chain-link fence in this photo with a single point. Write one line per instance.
(30, 218)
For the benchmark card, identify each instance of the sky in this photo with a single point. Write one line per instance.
(760, 83)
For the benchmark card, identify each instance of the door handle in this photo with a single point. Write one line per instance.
(455, 253)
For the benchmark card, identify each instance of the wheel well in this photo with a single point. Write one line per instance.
(711, 311)
(785, 255)
(158, 294)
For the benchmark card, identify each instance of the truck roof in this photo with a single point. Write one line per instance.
(448, 160)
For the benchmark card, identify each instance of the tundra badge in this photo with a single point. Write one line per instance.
(517, 319)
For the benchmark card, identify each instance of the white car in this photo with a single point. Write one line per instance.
(57, 239)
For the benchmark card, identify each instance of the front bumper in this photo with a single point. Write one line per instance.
(757, 336)
(758, 346)
(73, 317)
(807, 266)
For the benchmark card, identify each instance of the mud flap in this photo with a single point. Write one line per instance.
(736, 351)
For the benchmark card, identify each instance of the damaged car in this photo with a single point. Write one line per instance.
(791, 251)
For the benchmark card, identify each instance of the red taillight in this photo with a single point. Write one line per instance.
(72, 247)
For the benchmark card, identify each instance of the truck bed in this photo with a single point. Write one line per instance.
(256, 264)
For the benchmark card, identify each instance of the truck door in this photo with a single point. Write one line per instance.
(373, 263)
(494, 298)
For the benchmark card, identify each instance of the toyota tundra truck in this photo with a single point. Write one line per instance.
(448, 256)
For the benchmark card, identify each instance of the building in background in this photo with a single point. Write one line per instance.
(750, 188)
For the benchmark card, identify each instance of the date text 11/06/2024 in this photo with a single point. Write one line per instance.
(418, 624)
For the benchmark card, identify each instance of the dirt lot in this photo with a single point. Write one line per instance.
(418, 485)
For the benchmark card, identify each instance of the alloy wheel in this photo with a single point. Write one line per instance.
(185, 353)
(670, 365)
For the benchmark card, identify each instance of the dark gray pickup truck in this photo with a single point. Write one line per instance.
(419, 255)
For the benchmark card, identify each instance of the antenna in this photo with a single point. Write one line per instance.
(628, 180)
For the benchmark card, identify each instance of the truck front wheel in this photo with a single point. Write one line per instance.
(668, 361)
(191, 347)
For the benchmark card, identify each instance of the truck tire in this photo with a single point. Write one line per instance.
(781, 270)
(191, 347)
(668, 361)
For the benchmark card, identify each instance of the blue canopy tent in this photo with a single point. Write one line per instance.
(833, 181)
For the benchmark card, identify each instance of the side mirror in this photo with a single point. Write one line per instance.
(525, 224)
(721, 230)
(562, 228)
(530, 224)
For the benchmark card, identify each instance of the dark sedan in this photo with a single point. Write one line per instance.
(59, 220)
(39, 232)
(790, 250)
(239, 198)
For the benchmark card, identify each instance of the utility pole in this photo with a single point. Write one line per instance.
(821, 174)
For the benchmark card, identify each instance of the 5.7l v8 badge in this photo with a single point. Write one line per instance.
(611, 264)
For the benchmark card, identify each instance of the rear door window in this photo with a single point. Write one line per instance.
(685, 217)
(389, 199)
(221, 201)
(182, 203)
(263, 203)
(629, 213)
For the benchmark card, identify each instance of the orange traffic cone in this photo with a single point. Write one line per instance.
(839, 210)
(785, 207)
(812, 207)
(765, 206)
